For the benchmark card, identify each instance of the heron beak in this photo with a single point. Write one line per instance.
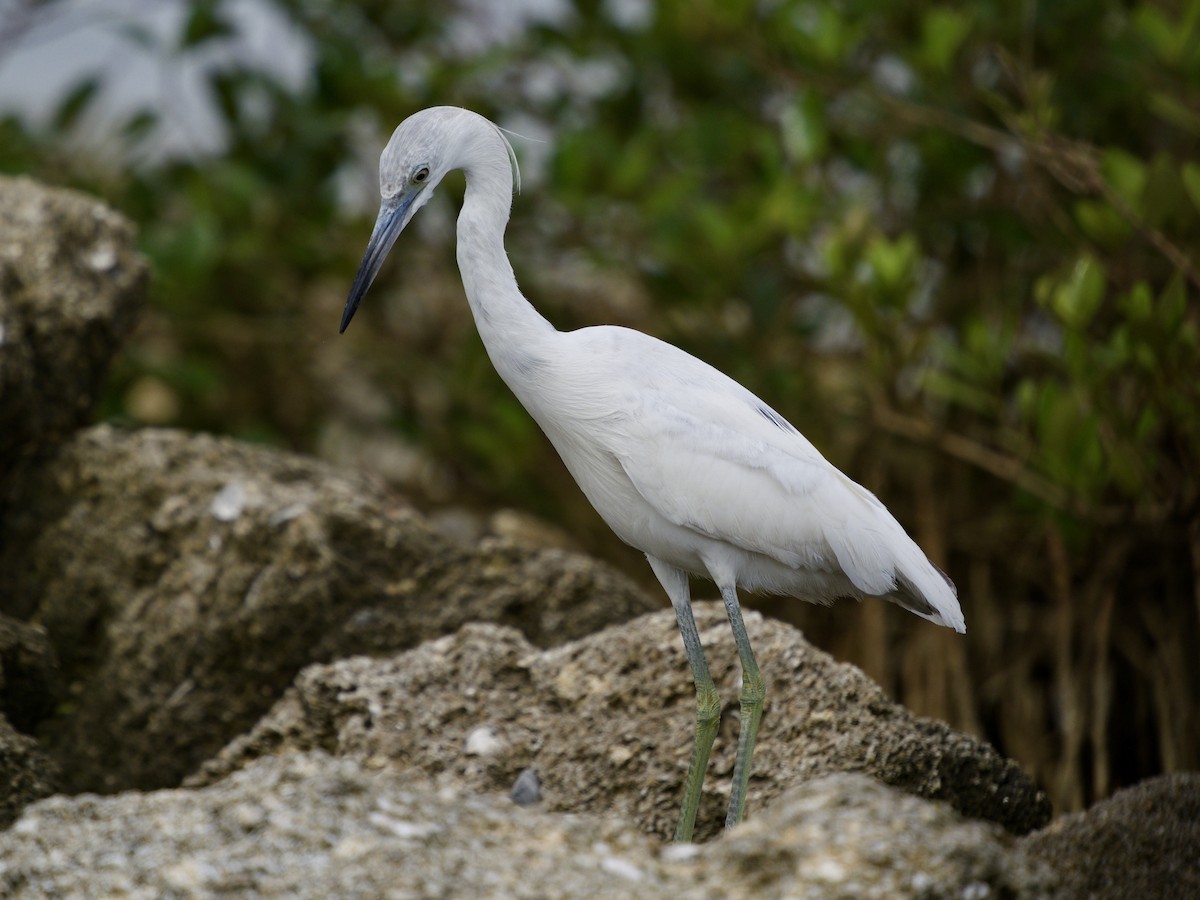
(393, 216)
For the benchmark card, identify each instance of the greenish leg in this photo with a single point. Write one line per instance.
(708, 717)
(753, 692)
(708, 704)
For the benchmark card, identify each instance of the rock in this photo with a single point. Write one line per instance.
(29, 689)
(71, 285)
(846, 835)
(29, 677)
(26, 773)
(1141, 842)
(607, 722)
(184, 581)
(309, 825)
(312, 826)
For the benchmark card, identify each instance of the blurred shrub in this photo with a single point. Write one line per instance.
(953, 243)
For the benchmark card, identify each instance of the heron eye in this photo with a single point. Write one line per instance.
(421, 174)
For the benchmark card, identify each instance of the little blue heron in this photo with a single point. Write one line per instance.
(681, 461)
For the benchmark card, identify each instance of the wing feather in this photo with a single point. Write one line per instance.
(722, 463)
(708, 455)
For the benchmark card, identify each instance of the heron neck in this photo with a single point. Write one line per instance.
(505, 319)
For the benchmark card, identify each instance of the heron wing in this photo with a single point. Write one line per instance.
(714, 464)
(709, 455)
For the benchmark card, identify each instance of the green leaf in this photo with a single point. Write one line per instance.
(1101, 223)
(824, 34)
(790, 207)
(1077, 297)
(1191, 181)
(893, 261)
(1126, 174)
(942, 33)
(1025, 397)
(835, 254)
(1118, 351)
(1163, 192)
(805, 137)
(1138, 304)
(958, 391)
(139, 125)
(1172, 302)
(1147, 424)
(78, 99)
(225, 89)
(1068, 440)
(1156, 30)
(205, 23)
(1169, 108)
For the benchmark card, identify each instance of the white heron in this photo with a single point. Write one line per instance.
(681, 461)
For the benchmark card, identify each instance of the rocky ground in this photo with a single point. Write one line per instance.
(280, 680)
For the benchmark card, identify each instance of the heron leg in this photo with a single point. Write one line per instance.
(753, 692)
(708, 704)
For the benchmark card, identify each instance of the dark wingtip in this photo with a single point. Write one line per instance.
(946, 578)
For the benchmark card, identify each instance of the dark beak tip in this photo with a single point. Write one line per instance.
(387, 228)
(356, 295)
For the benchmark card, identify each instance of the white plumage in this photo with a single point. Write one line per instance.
(680, 460)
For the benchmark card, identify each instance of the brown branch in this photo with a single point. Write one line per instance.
(1102, 694)
(1067, 688)
(1004, 467)
(1194, 540)
(1073, 164)
(1012, 470)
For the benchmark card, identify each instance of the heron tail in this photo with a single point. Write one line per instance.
(928, 593)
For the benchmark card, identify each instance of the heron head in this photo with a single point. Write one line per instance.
(423, 148)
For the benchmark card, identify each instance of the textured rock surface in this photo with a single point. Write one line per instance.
(26, 772)
(308, 825)
(607, 722)
(28, 690)
(184, 580)
(1142, 842)
(71, 284)
(849, 836)
(29, 677)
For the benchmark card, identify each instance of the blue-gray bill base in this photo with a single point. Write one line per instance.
(681, 461)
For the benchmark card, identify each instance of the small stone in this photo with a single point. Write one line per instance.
(620, 755)
(614, 865)
(676, 853)
(403, 829)
(484, 741)
(229, 502)
(102, 257)
(527, 790)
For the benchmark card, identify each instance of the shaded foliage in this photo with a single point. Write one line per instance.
(954, 244)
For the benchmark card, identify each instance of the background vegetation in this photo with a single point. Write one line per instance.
(955, 244)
